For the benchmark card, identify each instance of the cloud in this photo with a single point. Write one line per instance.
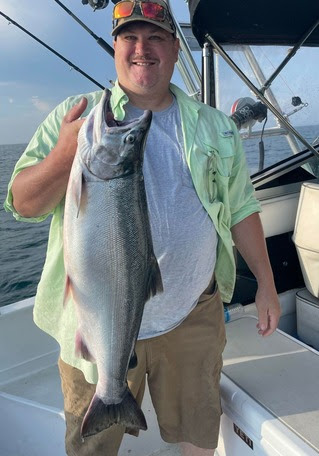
(6, 83)
(10, 100)
(40, 105)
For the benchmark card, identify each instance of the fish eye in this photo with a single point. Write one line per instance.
(130, 138)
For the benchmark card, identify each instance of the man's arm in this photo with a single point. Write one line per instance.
(38, 189)
(249, 239)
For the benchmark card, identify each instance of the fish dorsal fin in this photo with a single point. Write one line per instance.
(133, 360)
(154, 281)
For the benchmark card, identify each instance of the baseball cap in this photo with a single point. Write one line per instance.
(153, 11)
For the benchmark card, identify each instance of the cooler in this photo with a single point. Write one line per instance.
(270, 394)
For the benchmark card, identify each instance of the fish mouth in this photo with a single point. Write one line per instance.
(121, 125)
(127, 124)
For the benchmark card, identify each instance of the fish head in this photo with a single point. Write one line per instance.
(127, 143)
(120, 150)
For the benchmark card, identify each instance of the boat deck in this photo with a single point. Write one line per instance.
(43, 387)
(279, 375)
(41, 392)
(31, 402)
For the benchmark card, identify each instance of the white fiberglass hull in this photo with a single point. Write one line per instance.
(267, 385)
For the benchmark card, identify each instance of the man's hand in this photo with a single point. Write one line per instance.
(268, 308)
(69, 130)
(38, 189)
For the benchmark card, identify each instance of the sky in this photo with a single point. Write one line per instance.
(33, 80)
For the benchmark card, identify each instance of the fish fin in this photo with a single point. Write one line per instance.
(78, 194)
(101, 416)
(67, 290)
(154, 281)
(133, 360)
(81, 349)
(75, 188)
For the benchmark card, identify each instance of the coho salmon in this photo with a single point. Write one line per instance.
(110, 264)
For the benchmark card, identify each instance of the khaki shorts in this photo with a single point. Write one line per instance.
(183, 372)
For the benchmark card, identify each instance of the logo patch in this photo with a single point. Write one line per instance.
(243, 436)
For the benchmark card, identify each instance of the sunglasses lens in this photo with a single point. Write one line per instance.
(153, 11)
(123, 9)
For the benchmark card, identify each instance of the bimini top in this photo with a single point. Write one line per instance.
(279, 22)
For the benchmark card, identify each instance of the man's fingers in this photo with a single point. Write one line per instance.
(76, 111)
(269, 326)
(262, 320)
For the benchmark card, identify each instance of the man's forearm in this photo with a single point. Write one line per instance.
(249, 239)
(38, 189)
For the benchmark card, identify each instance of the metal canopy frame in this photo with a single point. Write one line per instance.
(208, 76)
(293, 23)
(260, 93)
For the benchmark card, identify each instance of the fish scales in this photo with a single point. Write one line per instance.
(109, 260)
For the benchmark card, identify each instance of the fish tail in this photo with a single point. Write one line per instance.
(155, 284)
(101, 416)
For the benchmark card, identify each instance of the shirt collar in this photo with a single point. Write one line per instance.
(119, 100)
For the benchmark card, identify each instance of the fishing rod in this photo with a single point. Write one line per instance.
(11, 21)
(104, 45)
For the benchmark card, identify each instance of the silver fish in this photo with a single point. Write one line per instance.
(109, 259)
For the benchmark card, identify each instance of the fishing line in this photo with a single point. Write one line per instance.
(273, 66)
(11, 21)
(99, 40)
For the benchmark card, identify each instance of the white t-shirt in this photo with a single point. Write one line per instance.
(184, 236)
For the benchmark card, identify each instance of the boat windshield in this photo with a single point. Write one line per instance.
(294, 93)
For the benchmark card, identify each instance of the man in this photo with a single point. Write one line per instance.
(199, 198)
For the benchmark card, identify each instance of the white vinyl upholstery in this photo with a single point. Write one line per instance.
(306, 235)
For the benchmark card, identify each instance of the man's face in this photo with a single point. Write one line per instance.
(145, 56)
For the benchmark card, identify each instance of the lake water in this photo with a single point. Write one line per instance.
(23, 245)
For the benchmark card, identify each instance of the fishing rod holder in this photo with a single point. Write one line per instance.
(96, 4)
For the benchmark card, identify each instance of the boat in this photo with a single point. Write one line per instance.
(269, 386)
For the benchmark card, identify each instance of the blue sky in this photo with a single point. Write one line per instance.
(33, 81)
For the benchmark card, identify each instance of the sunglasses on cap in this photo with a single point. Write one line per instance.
(150, 10)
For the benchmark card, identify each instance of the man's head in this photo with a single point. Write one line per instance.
(146, 50)
(152, 11)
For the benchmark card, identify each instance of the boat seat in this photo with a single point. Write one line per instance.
(306, 235)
